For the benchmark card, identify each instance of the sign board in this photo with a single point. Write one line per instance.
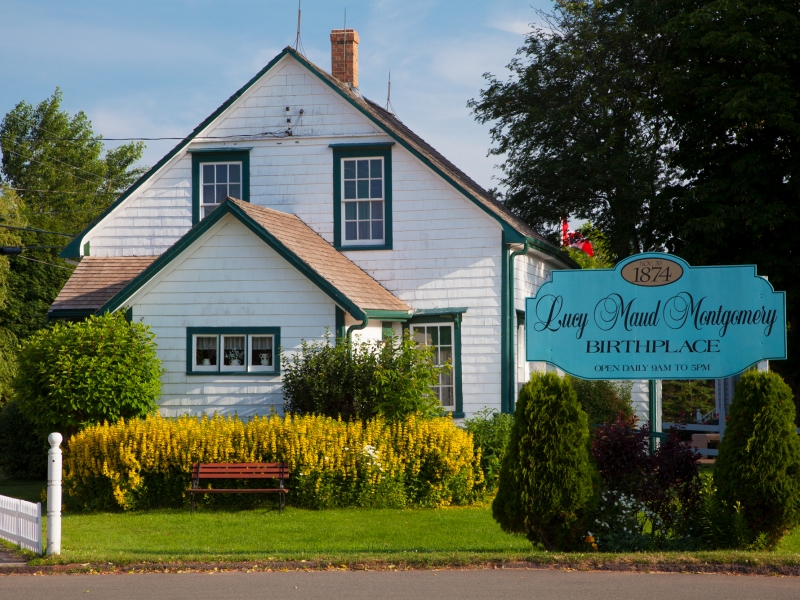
(655, 317)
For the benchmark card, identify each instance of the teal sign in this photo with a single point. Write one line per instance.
(655, 317)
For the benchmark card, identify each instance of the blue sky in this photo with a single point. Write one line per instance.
(149, 69)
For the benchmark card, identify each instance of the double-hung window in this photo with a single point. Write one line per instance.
(233, 350)
(362, 196)
(217, 174)
(440, 337)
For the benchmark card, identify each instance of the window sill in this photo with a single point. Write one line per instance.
(234, 373)
(380, 247)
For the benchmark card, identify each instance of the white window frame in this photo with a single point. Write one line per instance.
(259, 368)
(214, 164)
(382, 199)
(204, 368)
(452, 385)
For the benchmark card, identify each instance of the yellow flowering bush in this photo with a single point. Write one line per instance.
(146, 463)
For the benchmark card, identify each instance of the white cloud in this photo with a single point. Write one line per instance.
(513, 26)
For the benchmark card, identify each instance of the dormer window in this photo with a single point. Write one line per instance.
(216, 174)
(362, 210)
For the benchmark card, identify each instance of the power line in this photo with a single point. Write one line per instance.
(57, 191)
(44, 263)
(69, 235)
(51, 166)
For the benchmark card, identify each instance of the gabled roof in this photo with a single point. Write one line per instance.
(334, 273)
(516, 230)
(96, 280)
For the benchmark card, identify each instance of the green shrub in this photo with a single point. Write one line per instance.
(758, 465)
(547, 482)
(603, 401)
(74, 374)
(23, 451)
(349, 380)
(490, 431)
(146, 463)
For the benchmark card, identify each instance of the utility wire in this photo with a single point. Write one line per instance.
(57, 191)
(44, 263)
(69, 235)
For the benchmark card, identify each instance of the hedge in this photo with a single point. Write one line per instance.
(145, 463)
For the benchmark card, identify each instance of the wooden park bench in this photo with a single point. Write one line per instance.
(278, 471)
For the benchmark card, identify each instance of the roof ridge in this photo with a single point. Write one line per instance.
(248, 206)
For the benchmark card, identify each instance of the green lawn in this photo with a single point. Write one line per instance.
(454, 536)
(27, 490)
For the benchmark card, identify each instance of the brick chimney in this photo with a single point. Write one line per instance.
(344, 56)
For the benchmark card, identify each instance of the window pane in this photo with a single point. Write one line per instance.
(222, 192)
(222, 173)
(363, 188)
(447, 396)
(434, 333)
(206, 351)
(208, 194)
(377, 230)
(375, 168)
(234, 350)
(377, 210)
(235, 190)
(446, 378)
(349, 169)
(445, 354)
(349, 190)
(261, 351)
(234, 171)
(350, 211)
(376, 188)
(208, 173)
(363, 169)
(363, 230)
(363, 210)
(351, 230)
(445, 339)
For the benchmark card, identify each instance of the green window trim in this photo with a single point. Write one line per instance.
(363, 150)
(341, 330)
(454, 319)
(245, 331)
(212, 156)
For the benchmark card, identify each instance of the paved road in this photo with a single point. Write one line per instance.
(427, 585)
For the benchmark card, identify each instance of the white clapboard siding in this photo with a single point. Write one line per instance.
(228, 278)
(21, 523)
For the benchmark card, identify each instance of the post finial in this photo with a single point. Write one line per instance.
(55, 439)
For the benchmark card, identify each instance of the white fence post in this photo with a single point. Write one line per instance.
(54, 494)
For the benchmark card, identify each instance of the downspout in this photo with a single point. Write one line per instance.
(353, 328)
(512, 319)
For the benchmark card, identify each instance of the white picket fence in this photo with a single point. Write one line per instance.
(21, 523)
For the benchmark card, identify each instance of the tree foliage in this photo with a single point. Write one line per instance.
(76, 374)
(671, 124)
(602, 400)
(758, 467)
(682, 399)
(547, 481)
(361, 380)
(65, 177)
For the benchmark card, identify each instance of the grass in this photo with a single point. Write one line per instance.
(19, 488)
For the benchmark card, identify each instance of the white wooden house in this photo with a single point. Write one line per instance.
(300, 205)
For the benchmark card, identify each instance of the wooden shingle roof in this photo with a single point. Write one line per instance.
(322, 258)
(107, 282)
(98, 279)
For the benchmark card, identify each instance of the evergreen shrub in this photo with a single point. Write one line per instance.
(75, 374)
(23, 451)
(547, 481)
(603, 400)
(361, 380)
(758, 465)
(146, 463)
(490, 431)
